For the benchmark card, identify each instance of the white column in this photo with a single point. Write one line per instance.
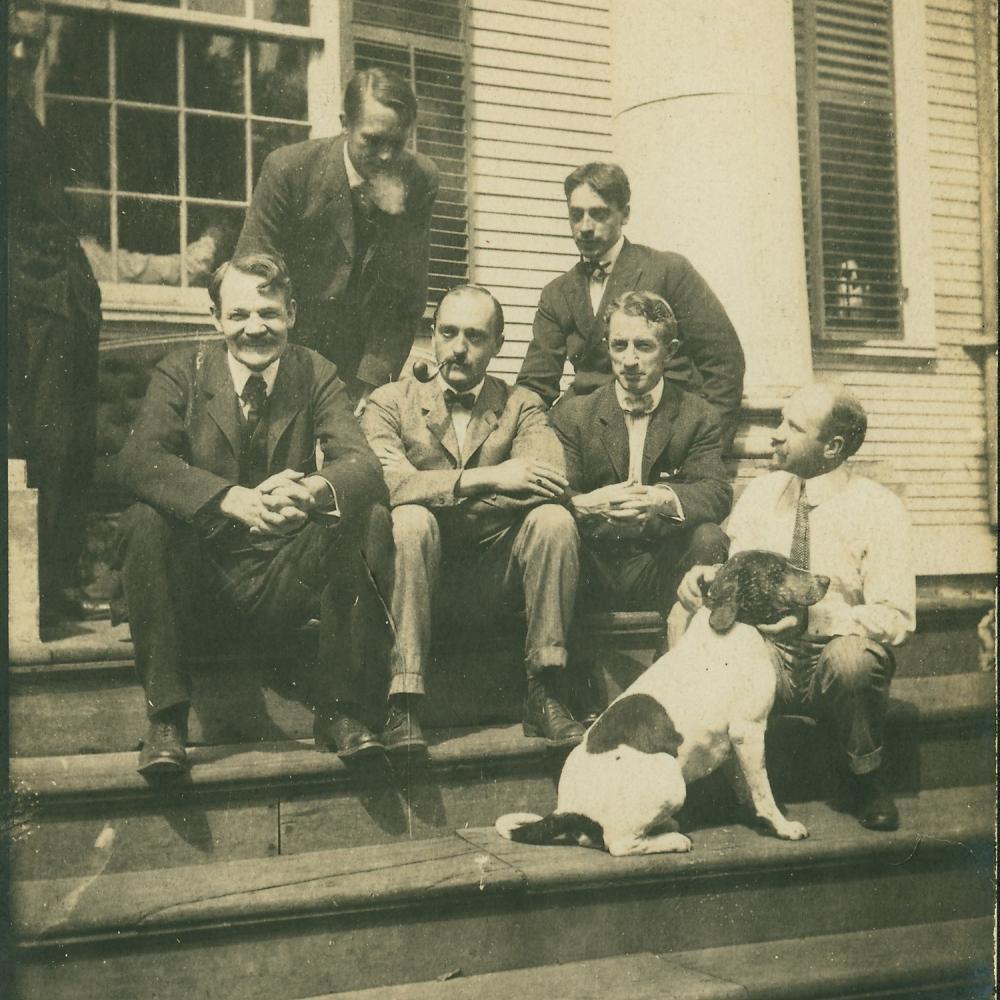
(22, 557)
(705, 127)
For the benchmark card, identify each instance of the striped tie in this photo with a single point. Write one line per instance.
(800, 536)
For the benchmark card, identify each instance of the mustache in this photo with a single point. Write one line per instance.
(388, 192)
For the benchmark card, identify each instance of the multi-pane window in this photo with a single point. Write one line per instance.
(167, 112)
(421, 40)
(848, 161)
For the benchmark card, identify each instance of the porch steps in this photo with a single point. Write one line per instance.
(260, 800)
(387, 914)
(924, 960)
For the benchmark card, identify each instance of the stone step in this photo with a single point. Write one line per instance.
(377, 916)
(257, 800)
(78, 814)
(950, 958)
(78, 694)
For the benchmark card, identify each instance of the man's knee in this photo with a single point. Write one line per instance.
(709, 545)
(551, 522)
(143, 529)
(850, 662)
(414, 526)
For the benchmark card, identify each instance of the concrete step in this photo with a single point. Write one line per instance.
(78, 693)
(377, 916)
(83, 813)
(951, 957)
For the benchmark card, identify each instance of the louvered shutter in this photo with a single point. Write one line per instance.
(848, 166)
(437, 74)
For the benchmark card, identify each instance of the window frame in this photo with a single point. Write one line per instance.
(917, 337)
(127, 303)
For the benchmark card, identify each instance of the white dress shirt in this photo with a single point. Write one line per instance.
(354, 179)
(241, 375)
(637, 427)
(599, 280)
(460, 416)
(859, 536)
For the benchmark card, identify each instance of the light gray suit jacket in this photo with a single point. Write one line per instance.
(411, 418)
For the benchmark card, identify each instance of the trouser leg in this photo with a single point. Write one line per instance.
(545, 561)
(850, 687)
(159, 564)
(417, 538)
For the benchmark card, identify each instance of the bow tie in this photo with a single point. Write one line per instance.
(466, 400)
(596, 270)
(638, 406)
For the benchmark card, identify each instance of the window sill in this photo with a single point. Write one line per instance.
(125, 303)
(873, 349)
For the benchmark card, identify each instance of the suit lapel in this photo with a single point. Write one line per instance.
(660, 429)
(624, 278)
(223, 406)
(485, 417)
(287, 399)
(438, 419)
(614, 435)
(337, 191)
(579, 302)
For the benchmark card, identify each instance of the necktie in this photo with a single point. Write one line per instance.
(465, 400)
(638, 406)
(597, 270)
(255, 396)
(800, 535)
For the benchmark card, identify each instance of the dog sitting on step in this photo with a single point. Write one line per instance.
(705, 699)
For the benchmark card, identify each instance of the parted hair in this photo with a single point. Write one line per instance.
(607, 179)
(384, 86)
(269, 267)
(652, 308)
(848, 419)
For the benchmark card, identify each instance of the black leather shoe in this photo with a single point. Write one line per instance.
(401, 732)
(876, 808)
(546, 716)
(346, 736)
(163, 752)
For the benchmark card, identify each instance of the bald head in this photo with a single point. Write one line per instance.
(823, 425)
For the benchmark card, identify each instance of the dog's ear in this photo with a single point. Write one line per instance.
(722, 599)
(723, 616)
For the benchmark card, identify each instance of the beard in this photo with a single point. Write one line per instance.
(388, 192)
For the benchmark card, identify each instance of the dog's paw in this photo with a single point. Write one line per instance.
(512, 821)
(790, 830)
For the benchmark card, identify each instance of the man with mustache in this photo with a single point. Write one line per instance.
(351, 216)
(236, 527)
(835, 662)
(644, 461)
(474, 473)
(571, 321)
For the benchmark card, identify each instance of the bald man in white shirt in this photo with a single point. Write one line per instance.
(836, 662)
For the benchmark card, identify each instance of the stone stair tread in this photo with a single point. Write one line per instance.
(929, 700)
(467, 865)
(916, 956)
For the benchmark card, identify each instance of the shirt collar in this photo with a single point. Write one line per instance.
(240, 373)
(656, 392)
(475, 390)
(607, 260)
(354, 179)
(819, 489)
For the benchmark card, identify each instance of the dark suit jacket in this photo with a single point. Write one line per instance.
(709, 363)
(683, 450)
(184, 448)
(302, 209)
(412, 418)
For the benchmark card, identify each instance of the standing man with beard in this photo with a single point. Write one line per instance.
(351, 216)
(53, 322)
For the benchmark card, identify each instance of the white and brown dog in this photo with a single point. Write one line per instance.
(708, 697)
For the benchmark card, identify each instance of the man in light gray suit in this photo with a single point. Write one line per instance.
(473, 470)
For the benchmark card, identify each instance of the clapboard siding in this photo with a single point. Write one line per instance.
(541, 105)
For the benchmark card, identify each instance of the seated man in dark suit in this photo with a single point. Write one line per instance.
(571, 321)
(234, 518)
(473, 467)
(351, 215)
(644, 463)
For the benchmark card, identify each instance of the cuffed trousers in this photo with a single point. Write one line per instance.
(533, 565)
